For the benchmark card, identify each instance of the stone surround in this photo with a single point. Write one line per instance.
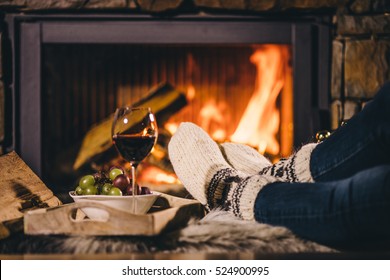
(360, 48)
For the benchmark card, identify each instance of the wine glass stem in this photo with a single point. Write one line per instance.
(134, 185)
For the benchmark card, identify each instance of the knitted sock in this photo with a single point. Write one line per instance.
(295, 168)
(201, 167)
(244, 158)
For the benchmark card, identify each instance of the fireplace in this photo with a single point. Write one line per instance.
(71, 71)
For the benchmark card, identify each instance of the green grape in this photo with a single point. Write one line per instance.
(90, 190)
(115, 191)
(86, 181)
(105, 189)
(78, 190)
(115, 172)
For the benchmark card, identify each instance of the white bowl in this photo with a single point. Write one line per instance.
(124, 203)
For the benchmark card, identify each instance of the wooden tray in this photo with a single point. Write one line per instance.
(167, 213)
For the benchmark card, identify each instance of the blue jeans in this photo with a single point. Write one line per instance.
(348, 206)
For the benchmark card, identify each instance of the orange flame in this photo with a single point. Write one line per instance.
(260, 122)
(264, 119)
(212, 119)
(153, 174)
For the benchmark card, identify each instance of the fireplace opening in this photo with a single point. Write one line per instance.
(70, 72)
(240, 93)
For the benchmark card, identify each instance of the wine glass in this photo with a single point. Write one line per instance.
(134, 133)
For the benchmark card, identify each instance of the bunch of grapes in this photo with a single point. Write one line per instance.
(115, 182)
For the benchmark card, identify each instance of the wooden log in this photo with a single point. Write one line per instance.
(164, 100)
(20, 190)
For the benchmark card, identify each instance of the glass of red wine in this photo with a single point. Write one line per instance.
(134, 133)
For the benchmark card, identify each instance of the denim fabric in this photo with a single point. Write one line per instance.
(349, 204)
(352, 213)
(362, 143)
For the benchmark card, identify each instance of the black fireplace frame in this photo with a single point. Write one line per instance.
(28, 33)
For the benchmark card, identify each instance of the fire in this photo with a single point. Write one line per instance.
(156, 175)
(260, 122)
(264, 124)
(212, 119)
(267, 121)
(190, 92)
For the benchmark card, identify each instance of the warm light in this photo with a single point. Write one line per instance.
(212, 119)
(260, 122)
(165, 178)
(155, 175)
(258, 112)
(171, 127)
(262, 147)
(157, 153)
(190, 92)
(210, 113)
(219, 135)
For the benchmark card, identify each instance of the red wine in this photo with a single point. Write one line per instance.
(133, 148)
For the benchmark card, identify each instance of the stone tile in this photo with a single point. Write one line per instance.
(159, 6)
(66, 4)
(356, 25)
(310, 4)
(47, 4)
(252, 5)
(366, 67)
(337, 76)
(2, 109)
(228, 4)
(360, 6)
(1, 54)
(351, 108)
(261, 5)
(335, 114)
(13, 3)
(2, 94)
(380, 6)
(98, 4)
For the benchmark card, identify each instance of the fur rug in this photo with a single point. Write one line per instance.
(217, 232)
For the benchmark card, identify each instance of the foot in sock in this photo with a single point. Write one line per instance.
(244, 158)
(295, 168)
(204, 172)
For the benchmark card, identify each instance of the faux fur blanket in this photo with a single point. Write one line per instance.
(217, 232)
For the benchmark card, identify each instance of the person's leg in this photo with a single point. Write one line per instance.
(362, 143)
(349, 213)
(352, 213)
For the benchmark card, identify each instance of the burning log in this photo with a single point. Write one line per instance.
(164, 100)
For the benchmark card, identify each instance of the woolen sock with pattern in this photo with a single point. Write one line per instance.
(295, 168)
(244, 158)
(201, 167)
